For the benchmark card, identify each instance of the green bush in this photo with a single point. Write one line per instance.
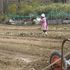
(12, 8)
(53, 9)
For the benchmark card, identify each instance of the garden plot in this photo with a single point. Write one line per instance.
(27, 48)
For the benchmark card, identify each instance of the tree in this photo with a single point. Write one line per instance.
(12, 8)
(4, 6)
(64, 1)
(56, 1)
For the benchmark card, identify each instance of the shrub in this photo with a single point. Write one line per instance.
(54, 10)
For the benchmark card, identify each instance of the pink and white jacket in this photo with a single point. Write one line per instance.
(44, 23)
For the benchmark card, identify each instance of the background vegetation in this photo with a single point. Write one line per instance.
(54, 10)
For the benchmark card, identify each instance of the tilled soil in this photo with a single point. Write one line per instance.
(27, 48)
(24, 54)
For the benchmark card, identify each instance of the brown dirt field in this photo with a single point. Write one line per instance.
(27, 48)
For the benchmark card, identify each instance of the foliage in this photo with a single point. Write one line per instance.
(25, 9)
(54, 9)
(12, 8)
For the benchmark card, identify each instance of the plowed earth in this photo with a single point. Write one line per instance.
(27, 48)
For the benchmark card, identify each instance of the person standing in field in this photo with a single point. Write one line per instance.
(44, 23)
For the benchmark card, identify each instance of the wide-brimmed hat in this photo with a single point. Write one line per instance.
(42, 15)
